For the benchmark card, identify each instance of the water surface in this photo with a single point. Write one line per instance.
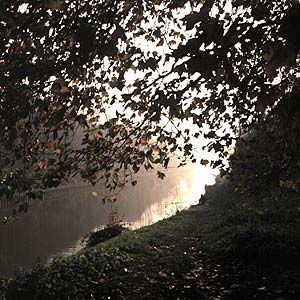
(56, 225)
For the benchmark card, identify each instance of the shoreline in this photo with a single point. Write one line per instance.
(192, 255)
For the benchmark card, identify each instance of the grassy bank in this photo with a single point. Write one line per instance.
(261, 231)
(207, 252)
(142, 261)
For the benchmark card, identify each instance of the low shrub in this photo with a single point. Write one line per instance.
(104, 235)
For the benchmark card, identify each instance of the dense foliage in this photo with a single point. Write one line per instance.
(102, 88)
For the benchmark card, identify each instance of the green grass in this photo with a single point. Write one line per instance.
(266, 233)
(231, 253)
(146, 255)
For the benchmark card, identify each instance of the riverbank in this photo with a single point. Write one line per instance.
(213, 251)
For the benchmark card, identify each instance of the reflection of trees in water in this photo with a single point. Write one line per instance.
(48, 227)
(69, 213)
(150, 191)
(176, 199)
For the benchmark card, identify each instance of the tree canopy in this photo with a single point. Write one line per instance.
(101, 88)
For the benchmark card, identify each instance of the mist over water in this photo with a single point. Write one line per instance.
(56, 225)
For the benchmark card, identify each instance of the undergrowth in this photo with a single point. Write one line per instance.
(264, 233)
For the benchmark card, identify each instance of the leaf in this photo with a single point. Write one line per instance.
(94, 194)
(172, 141)
(64, 90)
(95, 132)
(57, 151)
(134, 183)
(204, 162)
(177, 4)
(81, 119)
(119, 33)
(166, 162)
(43, 164)
(217, 147)
(217, 163)
(163, 274)
(143, 141)
(260, 106)
(161, 175)
(113, 198)
(135, 168)
(192, 19)
(160, 43)
(151, 63)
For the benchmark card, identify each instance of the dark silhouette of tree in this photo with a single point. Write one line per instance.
(64, 68)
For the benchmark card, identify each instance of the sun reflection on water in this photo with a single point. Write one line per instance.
(186, 193)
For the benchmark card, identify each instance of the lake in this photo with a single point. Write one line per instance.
(57, 224)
